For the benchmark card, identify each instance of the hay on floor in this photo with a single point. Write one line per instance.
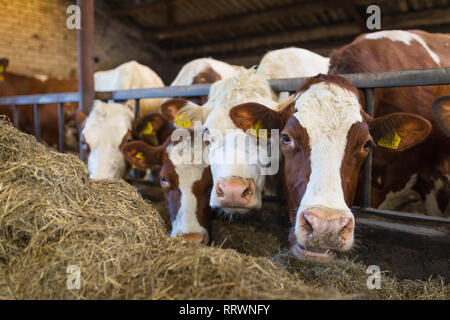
(53, 216)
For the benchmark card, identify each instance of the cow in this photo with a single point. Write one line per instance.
(325, 139)
(186, 184)
(109, 125)
(201, 71)
(291, 63)
(238, 185)
(425, 168)
(12, 84)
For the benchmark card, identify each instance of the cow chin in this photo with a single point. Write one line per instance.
(106, 165)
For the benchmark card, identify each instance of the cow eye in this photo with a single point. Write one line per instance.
(286, 139)
(163, 181)
(368, 144)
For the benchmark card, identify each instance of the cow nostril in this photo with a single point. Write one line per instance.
(219, 191)
(347, 228)
(306, 226)
(247, 191)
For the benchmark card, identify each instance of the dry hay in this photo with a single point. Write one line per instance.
(53, 216)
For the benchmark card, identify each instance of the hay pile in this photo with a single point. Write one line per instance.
(52, 216)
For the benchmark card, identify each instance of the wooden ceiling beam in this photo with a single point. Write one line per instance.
(240, 20)
(137, 8)
(433, 17)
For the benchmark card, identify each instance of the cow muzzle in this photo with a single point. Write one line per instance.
(234, 192)
(194, 237)
(320, 231)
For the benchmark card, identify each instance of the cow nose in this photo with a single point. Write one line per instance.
(194, 237)
(326, 229)
(234, 192)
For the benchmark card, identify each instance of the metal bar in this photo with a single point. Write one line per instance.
(422, 77)
(15, 112)
(37, 125)
(137, 108)
(367, 167)
(86, 55)
(61, 127)
(40, 98)
(400, 215)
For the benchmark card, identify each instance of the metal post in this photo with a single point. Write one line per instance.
(37, 127)
(86, 57)
(60, 127)
(16, 116)
(367, 169)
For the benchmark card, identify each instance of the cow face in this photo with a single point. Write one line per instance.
(185, 183)
(441, 113)
(104, 131)
(324, 144)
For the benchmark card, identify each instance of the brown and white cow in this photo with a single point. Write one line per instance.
(12, 84)
(185, 180)
(423, 169)
(324, 143)
(109, 125)
(238, 185)
(200, 71)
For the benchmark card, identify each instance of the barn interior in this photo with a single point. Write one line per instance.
(165, 35)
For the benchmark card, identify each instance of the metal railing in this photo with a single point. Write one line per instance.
(366, 81)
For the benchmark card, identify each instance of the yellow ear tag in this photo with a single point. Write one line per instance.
(2, 78)
(390, 141)
(148, 130)
(254, 130)
(1, 69)
(182, 122)
(139, 155)
(133, 166)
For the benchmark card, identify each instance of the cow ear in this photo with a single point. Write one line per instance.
(399, 131)
(153, 128)
(141, 155)
(255, 116)
(441, 113)
(171, 107)
(80, 118)
(3, 65)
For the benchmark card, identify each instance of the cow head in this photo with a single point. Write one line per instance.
(324, 144)
(441, 113)
(186, 183)
(103, 132)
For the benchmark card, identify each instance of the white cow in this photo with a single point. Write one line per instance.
(292, 63)
(109, 125)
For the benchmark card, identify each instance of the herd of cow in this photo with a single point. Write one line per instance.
(325, 135)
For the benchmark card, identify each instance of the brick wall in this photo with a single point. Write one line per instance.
(35, 39)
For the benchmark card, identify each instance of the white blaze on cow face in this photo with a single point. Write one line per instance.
(105, 129)
(326, 111)
(236, 177)
(186, 221)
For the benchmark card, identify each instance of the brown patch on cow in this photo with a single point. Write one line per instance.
(201, 190)
(297, 167)
(208, 75)
(356, 150)
(254, 115)
(152, 125)
(171, 107)
(328, 78)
